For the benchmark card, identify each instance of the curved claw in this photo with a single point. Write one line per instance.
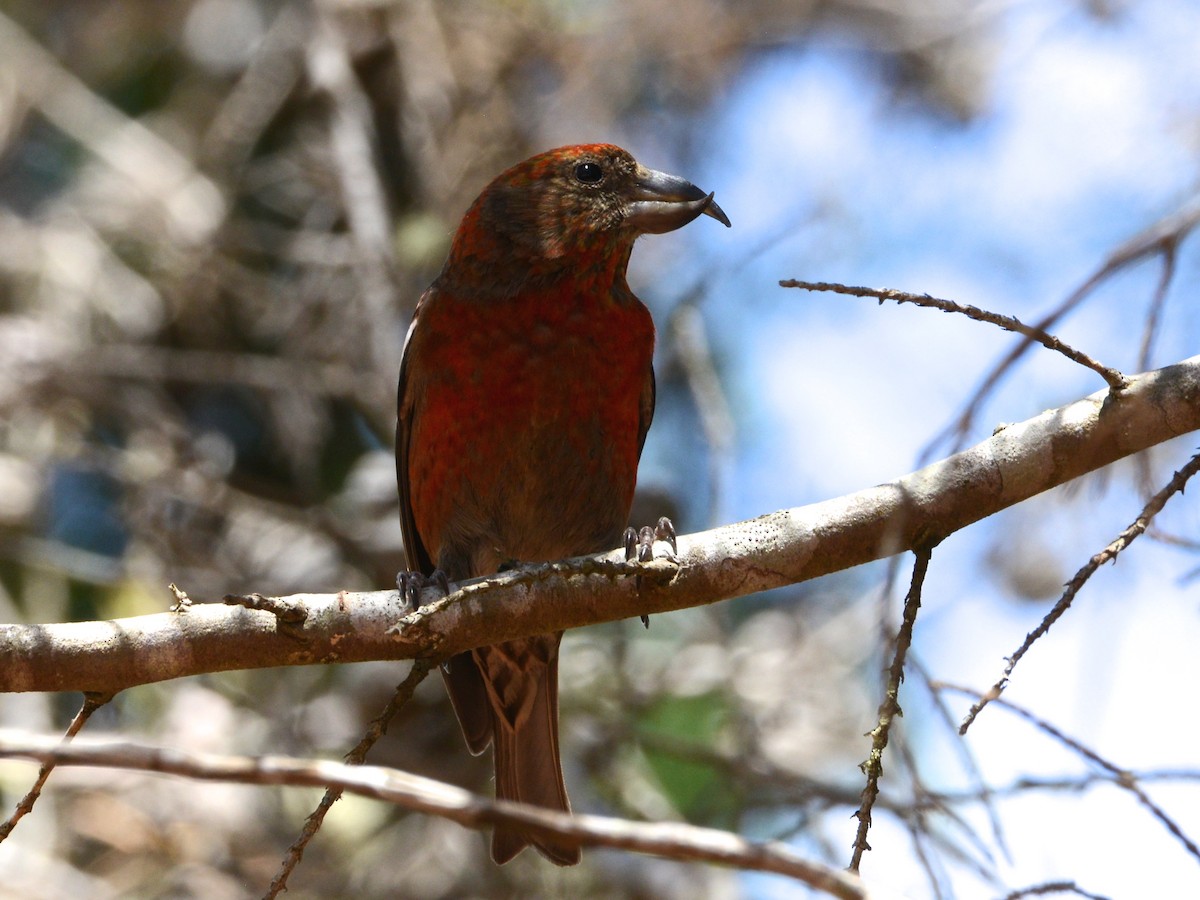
(639, 545)
(411, 584)
(665, 531)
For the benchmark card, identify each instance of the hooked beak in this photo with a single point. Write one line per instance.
(660, 202)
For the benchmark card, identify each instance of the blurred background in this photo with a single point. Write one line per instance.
(215, 218)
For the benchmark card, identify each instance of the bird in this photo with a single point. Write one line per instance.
(526, 391)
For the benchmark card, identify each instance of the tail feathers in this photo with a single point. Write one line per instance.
(528, 771)
(468, 694)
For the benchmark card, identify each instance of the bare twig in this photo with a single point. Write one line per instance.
(1063, 784)
(1123, 540)
(671, 840)
(1053, 887)
(917, 825)
(286, 610)
(889, 709)
(691, 343)
(1170, 254)
(1116, 381)
(404, 691)
(1161, 237)
(1158, 303)
(969, 763)
(1123, 778)
(91, 703)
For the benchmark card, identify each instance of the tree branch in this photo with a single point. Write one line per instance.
(674, 840)
(889, 709)
(1115, 379)
(774, 550)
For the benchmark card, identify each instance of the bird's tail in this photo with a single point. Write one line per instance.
(528, 770)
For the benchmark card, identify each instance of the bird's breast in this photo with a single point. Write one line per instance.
(526, 425)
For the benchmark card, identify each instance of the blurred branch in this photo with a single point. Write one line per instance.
(267, 373)
(672, 840)
(259, 94)
(355, 154)
(691, 342)
(1053, 887)
(781, 548)
(1074, 784)
(1158, 301)
(970, 765)
(1123, 778)
(192, 203)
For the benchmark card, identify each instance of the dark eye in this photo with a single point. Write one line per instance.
(589, 173)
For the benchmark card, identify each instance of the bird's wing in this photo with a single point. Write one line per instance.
(463, 681)
(418, 556)
(646, 411)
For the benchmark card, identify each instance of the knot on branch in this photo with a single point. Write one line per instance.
(290, 615)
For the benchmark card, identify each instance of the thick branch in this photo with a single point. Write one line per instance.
(771, 551)
(673, 840)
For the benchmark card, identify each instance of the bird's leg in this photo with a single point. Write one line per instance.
(410, 585)
(639, 545)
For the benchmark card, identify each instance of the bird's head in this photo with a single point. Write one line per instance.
(576, 206)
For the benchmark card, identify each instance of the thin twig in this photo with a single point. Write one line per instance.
(379, 725)
(1053, 887)
(91, 703)
(1123, 540)
(686, 326)
(1115, 379)
(1154, 314)
(1161, 237)
(1123, 778)
(1073, 784)
(1170, 254)
(917, 825)
(969, 762)
(890, 708)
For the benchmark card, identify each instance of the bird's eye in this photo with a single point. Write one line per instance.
(589, 173)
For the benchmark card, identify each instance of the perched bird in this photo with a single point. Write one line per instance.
(526, 390)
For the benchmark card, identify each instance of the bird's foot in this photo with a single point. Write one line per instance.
(639, 545)
(410, 585)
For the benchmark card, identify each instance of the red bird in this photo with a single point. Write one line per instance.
(526, 390)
